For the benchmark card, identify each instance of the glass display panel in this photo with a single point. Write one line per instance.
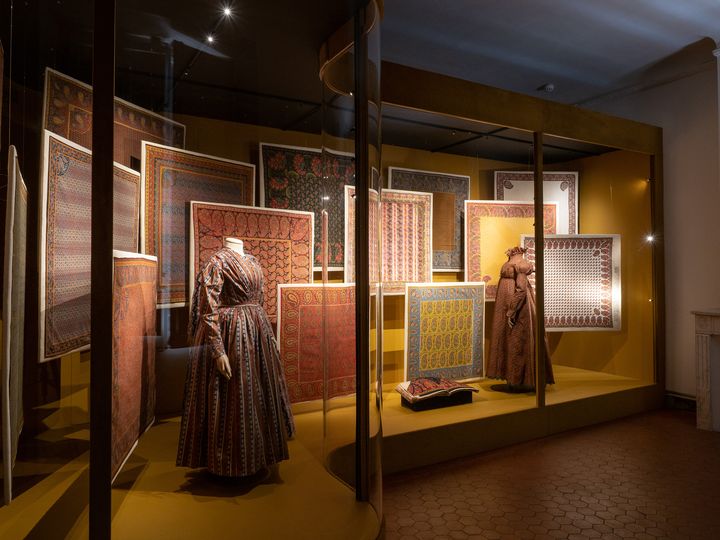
(599, 312)
(243, 207)
(445, 351)
(46, 174)
(230, 161)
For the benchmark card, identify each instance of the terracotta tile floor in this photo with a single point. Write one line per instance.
(648, 476)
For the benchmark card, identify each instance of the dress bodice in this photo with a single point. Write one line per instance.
(512, 268)
(242, 278)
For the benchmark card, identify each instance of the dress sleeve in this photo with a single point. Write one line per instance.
(519, 294)
(211, 287)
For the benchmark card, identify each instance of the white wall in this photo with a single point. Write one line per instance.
(687, 110)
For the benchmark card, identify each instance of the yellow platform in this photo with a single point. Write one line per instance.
(153, 498)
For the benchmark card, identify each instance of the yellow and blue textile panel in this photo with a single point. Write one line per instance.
(444, 330)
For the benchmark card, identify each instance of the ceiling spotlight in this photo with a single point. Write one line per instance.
(210, 39)
(227, 11)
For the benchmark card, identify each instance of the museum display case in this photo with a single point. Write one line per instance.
(249, 267)
(192, 169)
(573, 322)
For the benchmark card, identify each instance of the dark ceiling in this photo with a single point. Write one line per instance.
(584, 48)
(262, 67)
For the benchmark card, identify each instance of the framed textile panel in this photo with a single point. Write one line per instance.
(281, 241)
(444, 330)
(13, 316)
(561, 187)
(133, 352)
(582, 281)
(491, 228)
(349, 273)
(309, 179)
(313, 320)
(67, 111)
(450, 191)
(64, 241)
(406, 239)
(171, 179)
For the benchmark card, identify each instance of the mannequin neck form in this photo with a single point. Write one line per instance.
(235, 244)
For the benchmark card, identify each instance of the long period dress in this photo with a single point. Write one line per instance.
(240, 426)
(512, 345)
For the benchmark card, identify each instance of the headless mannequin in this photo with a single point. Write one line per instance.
(235, 244)
(222, 364)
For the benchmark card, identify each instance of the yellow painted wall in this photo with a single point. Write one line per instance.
(615, 198)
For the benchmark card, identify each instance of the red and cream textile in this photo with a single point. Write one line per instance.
(171, 179)
(13, 317)
(406, 239)
(281, 240)
(317, 322)
(67, 111)
(349, 274)
(133, 351)
(65, 235)
(492, 226)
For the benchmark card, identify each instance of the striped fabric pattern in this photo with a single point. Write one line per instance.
(66, 237)
(406, 239)
(239, 426)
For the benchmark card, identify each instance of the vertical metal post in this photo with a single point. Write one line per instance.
(101, 268)
(539, 271)
(658, 255)
(362, 263)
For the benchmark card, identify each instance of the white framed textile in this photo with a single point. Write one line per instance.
(561, 187)
(582, 281)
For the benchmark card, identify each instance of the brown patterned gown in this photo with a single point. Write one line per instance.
(239, 426)
(512, 348)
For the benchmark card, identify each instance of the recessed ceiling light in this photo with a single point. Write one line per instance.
(227, 11)
(210, 39)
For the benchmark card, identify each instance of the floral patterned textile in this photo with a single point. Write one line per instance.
(317, 322)
(239, 426)
(68, 113)
(171, 179)
(424, 388)
(444, 330)
(280, 239)
(582, 281)
(406, 239)
(294, 178)
(492, 226)
(447, 224)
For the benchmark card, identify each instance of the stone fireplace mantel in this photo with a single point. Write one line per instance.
(707, 325)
